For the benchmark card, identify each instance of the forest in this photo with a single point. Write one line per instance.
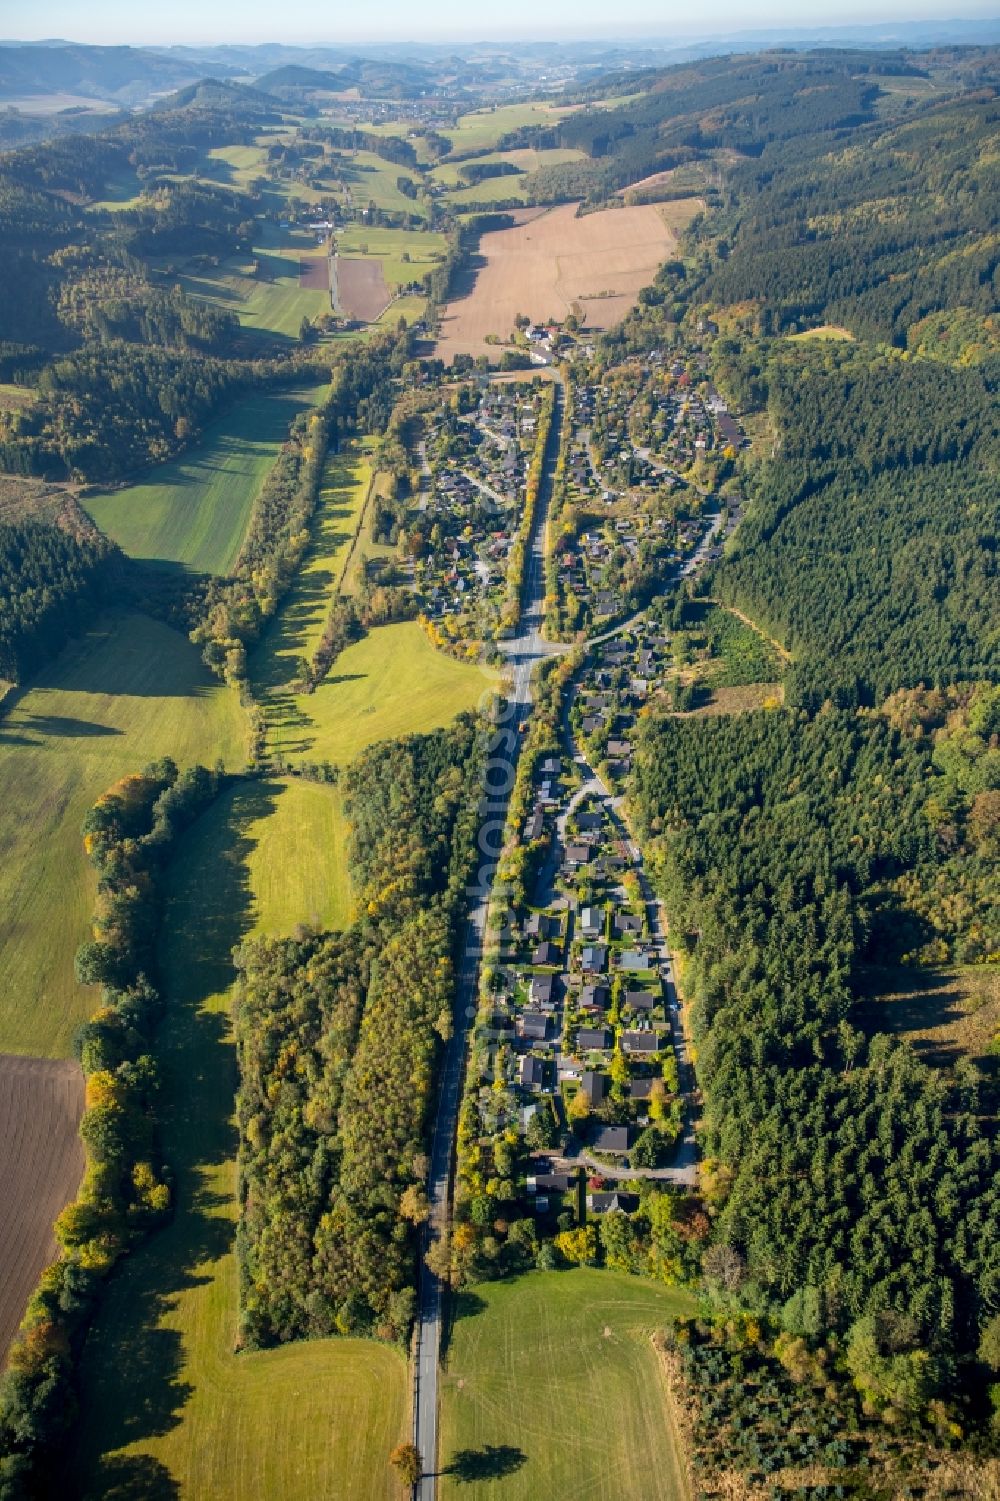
(870, 546)
(52, 583)
(839, 1166)
(338, 1037)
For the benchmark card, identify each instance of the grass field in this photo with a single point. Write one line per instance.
(168, 1408)
(482, 129)
(391, 683)
(129, 692)
(372, 178)
(424, 248)
(194, 509)
(556, 1372)
(412, 308)
(297, 629)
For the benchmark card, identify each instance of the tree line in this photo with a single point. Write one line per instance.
(52, 582)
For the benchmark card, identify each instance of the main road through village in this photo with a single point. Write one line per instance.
(523, 652)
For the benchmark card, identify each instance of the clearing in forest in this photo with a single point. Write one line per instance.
(194, 510)
(167, 1405)
(41, 1163)
(129, 691)
(550, 261)
(552, 1387)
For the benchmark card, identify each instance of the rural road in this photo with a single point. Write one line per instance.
(523, 651)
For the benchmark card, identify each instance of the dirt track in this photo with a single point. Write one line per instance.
(549, 262)
(41, 1163)
(361, 291)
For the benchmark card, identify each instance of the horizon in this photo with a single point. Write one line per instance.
(114, 23)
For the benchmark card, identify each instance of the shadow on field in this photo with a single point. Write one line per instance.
(460, 1305)
(491, 1462)
(134, 1365)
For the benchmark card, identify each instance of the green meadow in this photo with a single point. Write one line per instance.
(194, 510)
(130, 691)
(552, 1388)
(169, 1405)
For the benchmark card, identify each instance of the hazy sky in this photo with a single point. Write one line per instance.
(326, 21)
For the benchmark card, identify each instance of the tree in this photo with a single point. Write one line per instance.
(413, 1205)
(406, 1460)
(438, 1257)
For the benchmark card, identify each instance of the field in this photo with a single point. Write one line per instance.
(542, 266)
(552, 1389)
(297, 629)
(391, 683)
(829, 332)
(41, 1162)
(943, 1014)
(483, 128)
(194, 509)
(273, 302)
(389, 246)
(168, 1408)
(371, 178)
(359, 289)
(16, 398)
(128, 692)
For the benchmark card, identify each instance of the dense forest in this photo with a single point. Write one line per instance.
(792, 853)
(338, 1037)
(870, 547)
(52, 581)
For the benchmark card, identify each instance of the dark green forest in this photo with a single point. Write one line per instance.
(52, 582)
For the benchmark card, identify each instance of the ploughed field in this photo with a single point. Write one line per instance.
(41, 1163)
(550, 260)
(359, 288)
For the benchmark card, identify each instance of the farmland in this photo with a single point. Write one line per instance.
(168, 1406)
(128, 692)
(391, 683)
(546, 263)
(41, 1160)
(555, 1372)
(480, 130)
(194, 509)
(359, 289)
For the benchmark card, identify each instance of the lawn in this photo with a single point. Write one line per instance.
(555, 1372)
(194, 509)
(371, 177)
(297, 629)
(128, 692)
(391, 683)
(168, 1409)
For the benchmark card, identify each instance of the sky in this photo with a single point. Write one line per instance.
(319, 22)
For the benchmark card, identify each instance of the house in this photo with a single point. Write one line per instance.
(594, 1086)
(613, 1139)
(619, 748)
(578, 854)
(538, 925)
(627, 925)
(640, 1089)
(633, 959)
(546, 953)
(533, 1072)
(534, 828)
(594, 957)
(593, 1039)
(640, 1000)
(589, 822)
(534, 1026)
(643, 1043)
(559, 1183)
(606, 1203)
(540, 990)
(591, 922)
(594, 998)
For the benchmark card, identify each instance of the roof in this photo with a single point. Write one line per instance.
(593, 1037)
(545, 953)
(594, 1086)
(640, 1042)
(554, 1182)
(605, 1203)
(532, 1070)
(612, 1139)
(541, 987)
(640, 1000)
(594, 956)
(534, 1024)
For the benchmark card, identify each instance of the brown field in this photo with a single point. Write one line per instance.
(944, 1014)
(740, 700)
(313, 273)
(41, 1163)
(548, 262)
(361, 289)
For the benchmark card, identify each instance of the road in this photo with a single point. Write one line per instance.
(523, 652)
